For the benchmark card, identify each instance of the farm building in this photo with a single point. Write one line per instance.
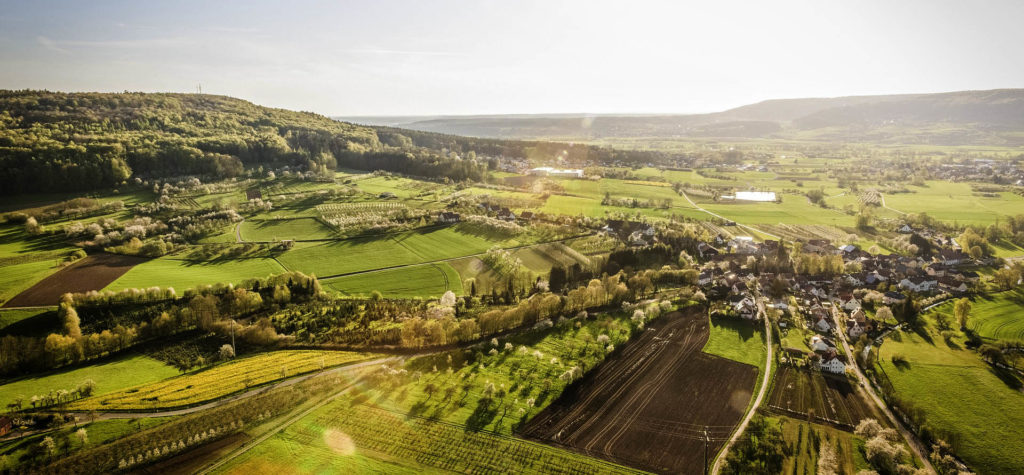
(254, 194)
(448, 217)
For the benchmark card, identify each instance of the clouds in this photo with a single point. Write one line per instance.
(51, 45)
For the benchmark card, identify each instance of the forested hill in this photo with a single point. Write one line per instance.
(52, 141)
(993, 117)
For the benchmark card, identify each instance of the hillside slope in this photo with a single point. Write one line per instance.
(993, 117)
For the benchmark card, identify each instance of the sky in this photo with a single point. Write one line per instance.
(385, 57)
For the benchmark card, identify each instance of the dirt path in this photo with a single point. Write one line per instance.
(912, 440)
(760, 394)
(238, 231)
(887, 207)
(751, 228)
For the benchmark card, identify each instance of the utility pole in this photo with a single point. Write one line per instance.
(707, 441)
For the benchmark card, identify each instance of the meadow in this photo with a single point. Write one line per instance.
(220, 380)
(16, 278)
(279, 229)
(428, 280)
(170, 271)
(959, 392)
(996, 316)
(110, 376)
(737, 340)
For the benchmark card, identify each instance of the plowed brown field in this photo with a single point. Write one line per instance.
(92, 273)
(650, 405)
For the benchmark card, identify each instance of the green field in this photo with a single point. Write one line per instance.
(14, 279)
(956, 202)
(361, 254)
(999, 316)
(428, 280)
(959, 392)
(183, 274)
(278, 229)
(37, 321)
(805, 452)
(109, 376)
(737, 340)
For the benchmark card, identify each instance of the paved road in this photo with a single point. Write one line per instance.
(760, 394)
(727, 219)
(911, 439)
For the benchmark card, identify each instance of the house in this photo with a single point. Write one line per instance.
(526, 216)
(636, 238)
(952, 285)
(823, 324)
(254, 194)
(506, 215)
(848, 249)
(893, 298)
(705, 278)
(853, 329)
(905, 229)
(746, 308)
(849, 303)
(706, 251)
(743, 245)
(952, 257)
(918, 284)
(448, 217)
(832, 363)
(648, 230)
(820, 343)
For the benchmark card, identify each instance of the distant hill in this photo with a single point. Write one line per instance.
(994, 117)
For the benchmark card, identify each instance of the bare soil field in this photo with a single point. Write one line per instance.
(649, 406)
(834, 400)
(92, 273)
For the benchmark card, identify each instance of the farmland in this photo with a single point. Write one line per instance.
(827, 399)
(804, 439)
(959, 393)
(219, 381)
(91, 273)
(170, 271)
(610, 416)
(353, 436)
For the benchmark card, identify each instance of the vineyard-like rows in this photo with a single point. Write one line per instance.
(444, 445)
(221, 380)
(360, 207)
(792, 232)
(830, 399)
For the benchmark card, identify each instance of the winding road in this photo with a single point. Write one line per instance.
(760, 394)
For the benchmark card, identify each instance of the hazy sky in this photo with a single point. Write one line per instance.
(463, 57)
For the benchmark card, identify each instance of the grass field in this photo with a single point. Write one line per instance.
(182, 274)
(956, 202)
(413, 247)
(109, 376)
(999, 316)
(277, 229)
(14, 279)
(428, 280)
(220, 380)
(28, 321)
(959, 392)
(737, 340)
